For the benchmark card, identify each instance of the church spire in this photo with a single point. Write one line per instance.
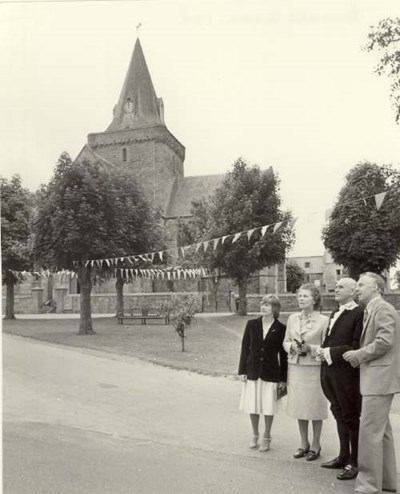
(138, 105)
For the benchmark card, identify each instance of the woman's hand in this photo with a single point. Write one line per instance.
(295, 348)
(305, 347)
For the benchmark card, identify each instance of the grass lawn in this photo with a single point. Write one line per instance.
(212, 345)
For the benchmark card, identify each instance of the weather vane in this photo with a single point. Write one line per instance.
(137, 28)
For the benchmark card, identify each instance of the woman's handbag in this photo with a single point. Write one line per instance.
(280, 392)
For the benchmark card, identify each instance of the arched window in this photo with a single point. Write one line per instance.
(124, 154)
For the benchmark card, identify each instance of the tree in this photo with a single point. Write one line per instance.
(385, 39)
(180, 310)
(248, 198)
(294, 276)
(88, 211)
(358, 235)
(16, 211)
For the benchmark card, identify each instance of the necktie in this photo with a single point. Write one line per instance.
(365, 318)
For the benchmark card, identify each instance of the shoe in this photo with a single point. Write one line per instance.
(301, 452)
(265, 444)
(254, 442)
(313, 455)
(349, 472)
(335, 463)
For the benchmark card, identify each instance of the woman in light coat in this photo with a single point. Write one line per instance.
(304, 334)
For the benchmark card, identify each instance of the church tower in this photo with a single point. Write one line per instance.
(138, 138)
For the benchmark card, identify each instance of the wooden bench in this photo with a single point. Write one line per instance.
(142, 315)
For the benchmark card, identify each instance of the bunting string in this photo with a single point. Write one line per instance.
(215, 242)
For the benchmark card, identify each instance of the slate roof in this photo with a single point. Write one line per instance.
(187, 189)
(88, 154)
(138, 104)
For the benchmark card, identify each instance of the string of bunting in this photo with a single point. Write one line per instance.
(233, 237)
(150, 257)
(128, 273)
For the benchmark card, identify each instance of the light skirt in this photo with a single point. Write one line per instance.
(259, 397)
(305, 399)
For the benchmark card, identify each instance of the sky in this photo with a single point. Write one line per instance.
(282, 83)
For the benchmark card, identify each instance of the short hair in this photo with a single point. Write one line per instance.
(315, 292)
(379, 280)
(274, 302)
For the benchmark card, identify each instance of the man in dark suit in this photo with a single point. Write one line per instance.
(379, 360)
(340, 381)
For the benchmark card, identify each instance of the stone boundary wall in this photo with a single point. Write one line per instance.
(105, 303)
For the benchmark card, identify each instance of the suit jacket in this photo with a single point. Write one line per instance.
(344, 336)
(379, 353)
(260, 357)
(313, 334)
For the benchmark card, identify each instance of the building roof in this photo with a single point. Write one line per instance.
(87, 154)
(138, 104)
(187, 189)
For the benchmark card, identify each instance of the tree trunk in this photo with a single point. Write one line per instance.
(242, 284)
(85, 281)
(9, 296)
(119, 286)
(183, 342)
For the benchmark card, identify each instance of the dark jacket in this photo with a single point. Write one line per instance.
(345, 335)
(263, 358)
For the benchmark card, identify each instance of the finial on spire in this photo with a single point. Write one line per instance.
(137, 28)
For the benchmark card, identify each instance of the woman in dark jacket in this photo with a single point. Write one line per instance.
(263, 363)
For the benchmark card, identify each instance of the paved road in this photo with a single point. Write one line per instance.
(82, 421)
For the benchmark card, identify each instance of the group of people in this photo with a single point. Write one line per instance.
(350, 359)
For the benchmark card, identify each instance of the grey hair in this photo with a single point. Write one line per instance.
(315, 292)
(380, 282)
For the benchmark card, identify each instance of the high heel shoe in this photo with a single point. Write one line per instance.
(313, 455)
(301, 452)
(265, 444)
(254, 442)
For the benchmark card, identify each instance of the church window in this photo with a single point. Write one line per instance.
(124, 154)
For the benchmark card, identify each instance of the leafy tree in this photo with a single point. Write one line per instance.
(16, 211)
(385, 39)
(359, 236)
(181, 309)
(248, 198)
(294, 276)
(88, 211)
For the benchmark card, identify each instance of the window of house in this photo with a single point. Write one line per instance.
(307, 264)
(124, 154)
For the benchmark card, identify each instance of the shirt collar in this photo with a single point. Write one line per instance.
(349, 306)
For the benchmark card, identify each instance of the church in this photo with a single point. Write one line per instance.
(138, 138)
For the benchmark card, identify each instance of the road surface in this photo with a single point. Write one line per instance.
(83, 421)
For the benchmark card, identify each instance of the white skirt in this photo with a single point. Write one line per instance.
(259, 397)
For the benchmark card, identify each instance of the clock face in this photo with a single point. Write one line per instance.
(129, 108)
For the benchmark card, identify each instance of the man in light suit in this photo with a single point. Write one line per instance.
(379, 362)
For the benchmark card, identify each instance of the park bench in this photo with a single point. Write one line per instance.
(142, 315)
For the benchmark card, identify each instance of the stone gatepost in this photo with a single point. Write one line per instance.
(37, 296)
(61, 293)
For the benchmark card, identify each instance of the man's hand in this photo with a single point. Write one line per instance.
(320, 354)
(281, 385)
(351, 357)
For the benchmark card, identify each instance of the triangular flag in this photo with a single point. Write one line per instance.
(277, 226)
(160, 254)
(152, 256)
(224, 238)
(205, 245)
(263, 230)
(379, 198)
(197, 247)
(216, 240)
(108, 262)
(237, 235)
(183, 251)
(250, 233)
